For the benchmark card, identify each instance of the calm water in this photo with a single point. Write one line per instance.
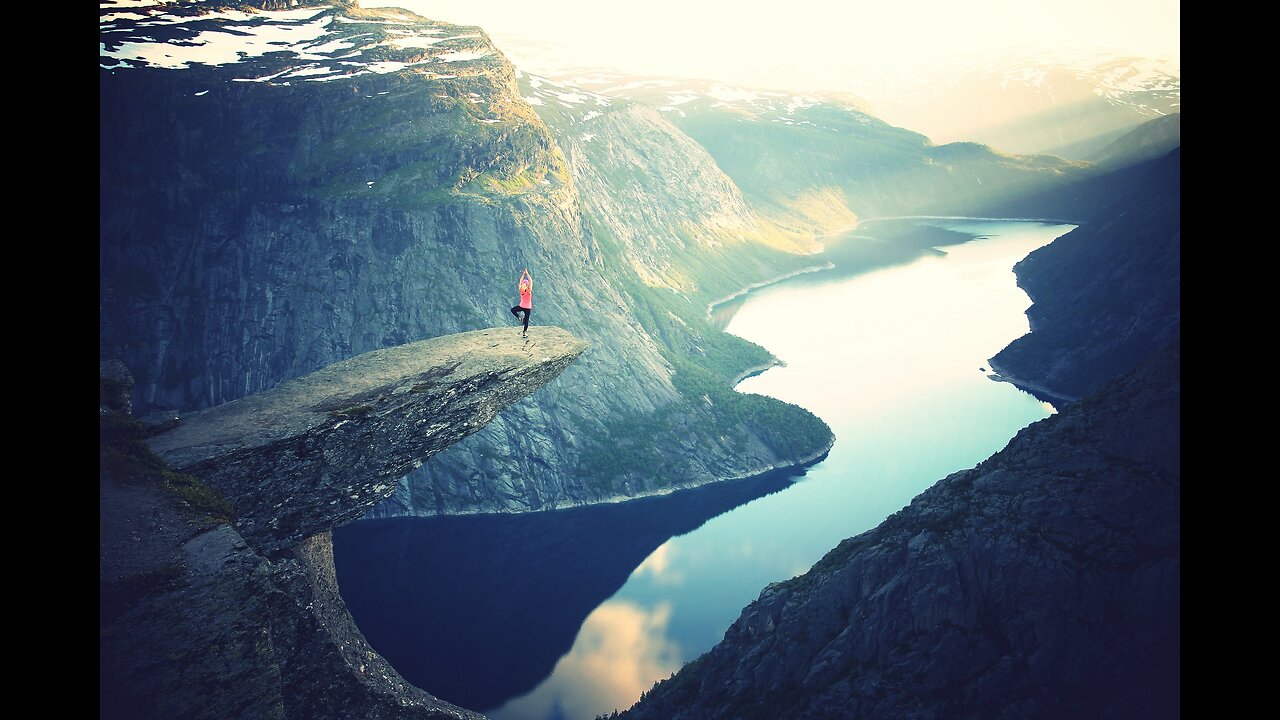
(567, 614)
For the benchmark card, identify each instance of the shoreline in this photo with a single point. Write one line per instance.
(1052, 221)
(1034, 389)
(755, 370)
(711, 306)
(790, 469)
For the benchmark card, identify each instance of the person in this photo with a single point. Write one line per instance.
(526, 301)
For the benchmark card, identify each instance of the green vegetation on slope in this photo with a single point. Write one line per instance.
(124, 456)
(705, 360)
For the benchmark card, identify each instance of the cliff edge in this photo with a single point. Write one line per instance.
(320, 450)
(217, 589)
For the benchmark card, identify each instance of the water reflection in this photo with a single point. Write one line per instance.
(621, 648)
(477, 609)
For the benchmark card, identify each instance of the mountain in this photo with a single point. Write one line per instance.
(819, 162)
(1105, 293)
(218, 597)
(1067, 104)
(1148, 141)
(284, 189)
(1045, 581)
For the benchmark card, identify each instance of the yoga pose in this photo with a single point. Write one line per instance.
(526, 301)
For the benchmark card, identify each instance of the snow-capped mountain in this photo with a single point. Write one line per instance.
(1056, 103)
(679, 97)
(312, 44)
(1062, 103)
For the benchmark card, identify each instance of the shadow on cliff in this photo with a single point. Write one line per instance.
(520, 586)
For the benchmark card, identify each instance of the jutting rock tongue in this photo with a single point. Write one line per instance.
(320, 450)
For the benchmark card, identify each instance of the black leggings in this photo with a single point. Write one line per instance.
(527, 312)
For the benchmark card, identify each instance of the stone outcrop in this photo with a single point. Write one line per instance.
(201, 618)
(320, 450)
(1043, 582)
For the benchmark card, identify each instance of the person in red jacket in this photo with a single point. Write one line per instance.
(526, 301)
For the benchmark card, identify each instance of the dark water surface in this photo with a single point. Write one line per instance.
(572, 613)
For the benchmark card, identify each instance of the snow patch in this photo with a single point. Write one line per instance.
(532, 100)
(800, 103)
(219, 47)
(312, 70)
(330, 47)
(681, 99)
(264, 78)
(340, 76)
(351, 20)
(112, 17)
(389, 66)
(729, 94)
(202, 92)
(462, 55)
(592, 115)
(588, 137)
(570, 98)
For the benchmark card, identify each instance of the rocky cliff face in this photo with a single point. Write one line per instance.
(675, 233)
(1105, 293)
(283, 190)
(1044, 582)
(203, 618)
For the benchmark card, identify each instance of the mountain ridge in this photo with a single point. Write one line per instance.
(387, 182)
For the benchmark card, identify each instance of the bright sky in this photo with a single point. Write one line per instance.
(801, 44)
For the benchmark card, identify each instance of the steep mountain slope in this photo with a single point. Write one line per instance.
(1044, 582)
(675, 234)
(1104, 294)
(284, 189)
(1150, 140)
(810, 162)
